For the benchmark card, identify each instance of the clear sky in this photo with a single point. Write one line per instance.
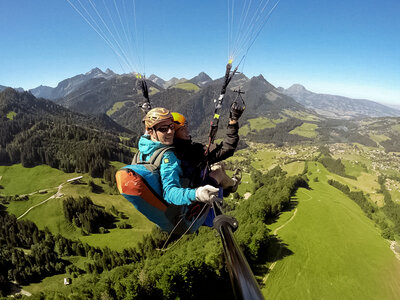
(342, 47)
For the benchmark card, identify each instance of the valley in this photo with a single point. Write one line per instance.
(318, 205)
(330, 239)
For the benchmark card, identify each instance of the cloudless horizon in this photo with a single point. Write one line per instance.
(346, 48)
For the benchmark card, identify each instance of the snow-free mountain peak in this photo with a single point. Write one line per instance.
(297, 88)
(201, 79)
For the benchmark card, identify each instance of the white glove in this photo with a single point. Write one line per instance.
(206, 193)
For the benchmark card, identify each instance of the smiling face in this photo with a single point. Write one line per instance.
(182, 133)
(163, 132)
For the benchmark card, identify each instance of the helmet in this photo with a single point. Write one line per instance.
(157, 115)
(179, 120)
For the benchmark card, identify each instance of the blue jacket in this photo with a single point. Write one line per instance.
(170, 172)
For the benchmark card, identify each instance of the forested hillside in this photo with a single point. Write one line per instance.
(37, 131)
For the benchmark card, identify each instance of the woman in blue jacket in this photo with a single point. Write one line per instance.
(160, 132)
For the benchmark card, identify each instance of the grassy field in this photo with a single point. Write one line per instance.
(353, 169)
(366, 182)
(187, 86)
(117, 106)
(256, 125)
(306, 130)
(301, 115)
(378, 137)
(294, 168)
(264, 159)
(337, 251)
(50, 214)
(19, 180)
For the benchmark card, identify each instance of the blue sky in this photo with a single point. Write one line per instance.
(343, 47)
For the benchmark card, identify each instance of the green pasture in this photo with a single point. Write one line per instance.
(283, 118)
(53, 283)
(18, 180)
(117, 106)
(256, 124)
(187, 86)
(19, 207)
(153, 91)
(11, 115)
(353, 168)
(351, 155)
(51, 215)
(261, 123)
(306, 130)
(244, 130)
(366, 182)
(378, 137)
(337, 252)
(301, 115)
(294, 168)
(264, 159)
(395, 196)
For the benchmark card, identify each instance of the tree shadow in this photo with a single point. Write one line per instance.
(290, 206)
(275, 250)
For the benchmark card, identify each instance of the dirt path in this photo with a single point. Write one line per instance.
(272, 266)
(393, 247)
(56, 195)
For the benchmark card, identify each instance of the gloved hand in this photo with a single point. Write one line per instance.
(206, 193)
(236, 111)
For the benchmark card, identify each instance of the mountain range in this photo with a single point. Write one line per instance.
(97, 92)
(79, 86)
(69, 85)
(331, 106)
(338, 107)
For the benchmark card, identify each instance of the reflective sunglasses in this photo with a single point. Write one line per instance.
(165, 128)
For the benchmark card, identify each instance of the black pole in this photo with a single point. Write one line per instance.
(242, 278)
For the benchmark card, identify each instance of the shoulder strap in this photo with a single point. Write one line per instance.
(136, 159)
(155, 159)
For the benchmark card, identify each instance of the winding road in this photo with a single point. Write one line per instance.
(56, 195)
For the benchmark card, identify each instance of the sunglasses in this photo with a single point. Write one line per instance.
(165, 128)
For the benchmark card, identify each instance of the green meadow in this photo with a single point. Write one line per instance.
(51, 215)
(294, 168)
(117, 106)
(264, 159)
(306, 130)
(256, 125)
(337, 252)
(19, 180)
(301, 115)
(378, 137)
(187, 86)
